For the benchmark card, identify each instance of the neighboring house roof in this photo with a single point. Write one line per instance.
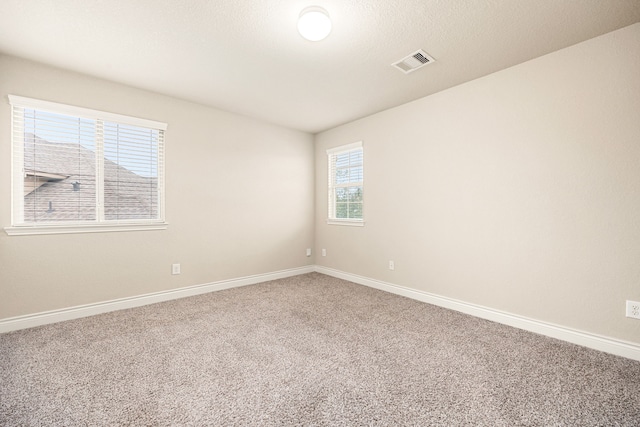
(61, 187)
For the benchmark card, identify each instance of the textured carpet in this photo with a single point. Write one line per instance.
(307, 350)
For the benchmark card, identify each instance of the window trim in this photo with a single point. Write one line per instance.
(346, 221)
(87, 113)
(30, 230)
(331, 219)
(97, 226)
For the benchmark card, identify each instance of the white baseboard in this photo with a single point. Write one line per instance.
(597, 342)
(43, 318)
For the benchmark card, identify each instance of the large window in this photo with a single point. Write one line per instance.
(79, 170)
(346, 184)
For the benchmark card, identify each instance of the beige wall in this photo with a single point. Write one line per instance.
(519, 191)
(239, 202)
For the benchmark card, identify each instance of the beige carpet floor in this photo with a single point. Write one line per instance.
(307, 350)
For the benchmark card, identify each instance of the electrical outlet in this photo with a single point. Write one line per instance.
(308, 251)
(633, 309)
(175, 268)
(324, 252)
(392, 265)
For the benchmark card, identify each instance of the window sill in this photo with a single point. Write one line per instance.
(348, 222)
(29, 230)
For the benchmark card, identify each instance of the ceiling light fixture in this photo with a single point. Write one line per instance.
(314, 23)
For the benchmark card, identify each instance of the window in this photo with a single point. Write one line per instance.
(346, 177)
(81, 170)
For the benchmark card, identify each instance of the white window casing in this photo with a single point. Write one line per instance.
(77, 170)
(346, 185)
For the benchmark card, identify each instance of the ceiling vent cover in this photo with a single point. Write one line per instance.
(412, 62)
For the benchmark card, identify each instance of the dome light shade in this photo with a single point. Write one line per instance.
(314, 23)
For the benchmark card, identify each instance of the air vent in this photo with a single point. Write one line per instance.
(414, 61)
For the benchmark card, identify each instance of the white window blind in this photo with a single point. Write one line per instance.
(131, 155)
(76, 166)
(346, 183)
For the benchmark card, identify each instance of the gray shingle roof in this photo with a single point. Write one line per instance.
(126, 194)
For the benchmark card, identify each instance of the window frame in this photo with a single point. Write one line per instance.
(331, 185)
(19, 103)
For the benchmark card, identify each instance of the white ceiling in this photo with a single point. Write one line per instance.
(245, 56)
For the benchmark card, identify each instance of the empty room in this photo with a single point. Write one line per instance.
(323, 213)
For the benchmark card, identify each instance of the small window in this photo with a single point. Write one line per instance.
(80, 170)
(346, 184)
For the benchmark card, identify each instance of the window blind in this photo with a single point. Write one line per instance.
(346, 182)
(73, 165)
(131, 160)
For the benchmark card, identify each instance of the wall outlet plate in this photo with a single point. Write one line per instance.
(308, 251)
(175, 268)
(633, 309)
(392, 265)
